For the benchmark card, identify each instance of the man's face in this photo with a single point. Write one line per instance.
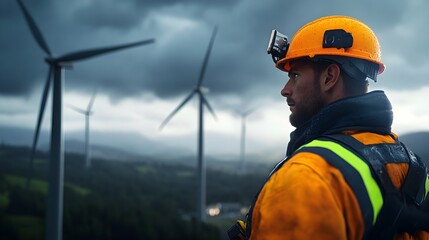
(303, 93)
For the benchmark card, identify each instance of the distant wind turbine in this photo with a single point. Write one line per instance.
(201, 193)
(242, 168)
(88, 112)
(56, 165)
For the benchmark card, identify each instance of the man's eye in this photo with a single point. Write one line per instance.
(293, 75)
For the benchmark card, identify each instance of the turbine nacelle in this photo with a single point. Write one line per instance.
(203, 90)
(55, 62)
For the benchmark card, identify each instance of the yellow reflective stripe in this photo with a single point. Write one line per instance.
(427, 186)
(359, 165)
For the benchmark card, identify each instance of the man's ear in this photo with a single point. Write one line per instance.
(330, 77)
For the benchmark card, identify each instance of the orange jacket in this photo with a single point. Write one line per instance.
(307, 198)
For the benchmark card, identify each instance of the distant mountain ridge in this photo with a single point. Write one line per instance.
(132, 147)
(127, 146)
(418, 142)
(99, 151)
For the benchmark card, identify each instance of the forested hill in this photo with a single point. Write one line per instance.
(115, 199)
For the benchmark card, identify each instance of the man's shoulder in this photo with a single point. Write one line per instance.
(368, 138)
(307, 165)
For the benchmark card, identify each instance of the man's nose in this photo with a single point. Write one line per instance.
(285, 91)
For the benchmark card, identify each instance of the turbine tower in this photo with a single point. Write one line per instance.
(198, 90)
(56, 162)
(88, 112)
(242, 167)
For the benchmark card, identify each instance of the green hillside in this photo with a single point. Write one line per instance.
(115, 199)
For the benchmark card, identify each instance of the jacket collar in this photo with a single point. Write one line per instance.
(370, 112)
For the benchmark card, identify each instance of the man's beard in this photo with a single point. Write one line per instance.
(306, 110)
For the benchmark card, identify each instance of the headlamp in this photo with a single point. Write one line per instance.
(277, 46)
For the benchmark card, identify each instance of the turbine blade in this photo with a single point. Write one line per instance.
(168, 118)
(206, 58)
(79, 110)
(208, 106)
(39, 123)
(248, 112)
(91, 101)
(37, 34)
(80, 55)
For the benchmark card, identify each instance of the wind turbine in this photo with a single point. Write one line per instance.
(88, 112)
(243, 140)
(56, 166)
(198, 90)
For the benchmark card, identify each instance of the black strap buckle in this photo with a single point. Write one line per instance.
(237, 232)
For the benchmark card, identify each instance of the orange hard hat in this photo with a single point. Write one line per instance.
(336, 36)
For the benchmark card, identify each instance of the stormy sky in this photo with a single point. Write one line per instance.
(139, 87)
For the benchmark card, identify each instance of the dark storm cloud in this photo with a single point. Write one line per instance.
(170, 67)
(128, 14)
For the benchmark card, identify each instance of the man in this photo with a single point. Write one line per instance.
(346, 176)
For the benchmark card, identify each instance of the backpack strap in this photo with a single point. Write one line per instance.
(376, 156)
(417, 173)
(404, 210)
(357, 173)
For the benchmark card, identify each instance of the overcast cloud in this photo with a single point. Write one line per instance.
(182, 29)
(239, 72)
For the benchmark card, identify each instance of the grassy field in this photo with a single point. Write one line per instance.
(145, 169)
(27, 227)
(185, 173)
(4, 200)
(42, 186)
(37, 185)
